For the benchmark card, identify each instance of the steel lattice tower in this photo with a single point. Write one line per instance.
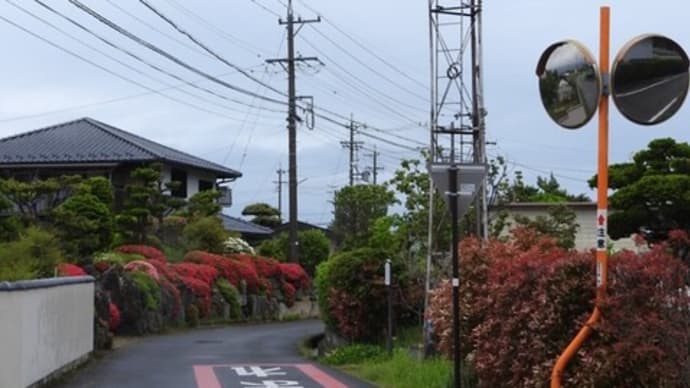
(457, 127)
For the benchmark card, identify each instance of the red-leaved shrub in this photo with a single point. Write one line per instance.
(294, 274)
(289, 294)
(114, 317)
(266, 267)
(144, 250)
(202, 272)
(524, 300)
(67, 269)
(201, 290)
(349, 313)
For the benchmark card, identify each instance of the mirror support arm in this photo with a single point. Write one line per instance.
(605, 84)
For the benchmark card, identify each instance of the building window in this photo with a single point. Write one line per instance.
(205, 185)
(179, 176)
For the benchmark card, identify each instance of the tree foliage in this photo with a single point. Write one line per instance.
(356, 208)
(84, 222)
(148, 200)
(411, 181)
(651, 192)
(314, 248)
(204, 204)
(37, 251)
(205, 234)
(35, 198)
(264, 214)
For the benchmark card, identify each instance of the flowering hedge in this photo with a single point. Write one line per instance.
(295, 275)
(144, 250)
(265, 267)
(67, 269)
(233, 270)
(202, 272)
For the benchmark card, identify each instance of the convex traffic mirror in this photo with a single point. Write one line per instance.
(569, 83)
(649, 79)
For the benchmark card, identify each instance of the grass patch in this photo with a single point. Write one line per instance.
(403, 371)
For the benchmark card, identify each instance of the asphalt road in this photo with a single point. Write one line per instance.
(258, 356)
(653, 100)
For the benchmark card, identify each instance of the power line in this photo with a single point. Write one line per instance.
(73, 54)
(272, 12)
(363, 47)
(364, 84)
(134, 56)
(367, 66)
(218, 31)
(167, 55)
(206, 48)
(154, 28)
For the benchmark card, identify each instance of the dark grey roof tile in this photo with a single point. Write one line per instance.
(89, 140)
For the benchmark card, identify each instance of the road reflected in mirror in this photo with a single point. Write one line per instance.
(569, 84)
(650, 79)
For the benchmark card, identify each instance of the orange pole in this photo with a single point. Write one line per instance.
(602, 204)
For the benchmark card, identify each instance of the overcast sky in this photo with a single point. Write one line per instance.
(41, 85)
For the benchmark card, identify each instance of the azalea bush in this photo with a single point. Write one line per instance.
(148, 252)
(67, 269)
(295, 275)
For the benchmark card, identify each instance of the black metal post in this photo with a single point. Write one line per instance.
(453, 201)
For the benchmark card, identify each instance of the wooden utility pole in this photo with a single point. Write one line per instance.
(292, 121)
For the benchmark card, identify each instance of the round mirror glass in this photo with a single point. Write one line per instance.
(649, 79)
(569, 83)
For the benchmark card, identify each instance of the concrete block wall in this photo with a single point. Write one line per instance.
(45, 326)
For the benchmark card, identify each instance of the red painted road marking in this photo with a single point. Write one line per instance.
(320, 376)
(206, 377)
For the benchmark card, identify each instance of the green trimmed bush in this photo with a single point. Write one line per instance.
(231, 296)
(205, 234)
(351, 295)
(151, 290)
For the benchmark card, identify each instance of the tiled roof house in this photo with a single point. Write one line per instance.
(90, 147)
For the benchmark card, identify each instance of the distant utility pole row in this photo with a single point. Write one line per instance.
(354, 146)
(292, 120)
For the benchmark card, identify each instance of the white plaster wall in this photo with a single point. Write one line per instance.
(42, 330)
(193, 178)
(585, 238)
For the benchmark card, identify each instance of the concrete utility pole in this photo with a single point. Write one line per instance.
(292, 120)
(375, 168)
(280, 182)
(353, 146)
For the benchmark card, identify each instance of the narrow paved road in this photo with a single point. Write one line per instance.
(258, 356)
